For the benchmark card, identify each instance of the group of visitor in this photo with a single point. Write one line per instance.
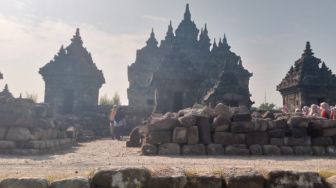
(323, 111)
(117, 122)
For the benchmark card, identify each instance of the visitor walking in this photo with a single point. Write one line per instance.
(112, 115)
(120, 123)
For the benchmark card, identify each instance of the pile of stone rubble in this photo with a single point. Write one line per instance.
(233, 131)
(29, 128)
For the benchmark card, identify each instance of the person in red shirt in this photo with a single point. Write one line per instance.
(325, 110)
(332, 113)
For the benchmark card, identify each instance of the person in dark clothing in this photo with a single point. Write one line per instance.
(120, 123)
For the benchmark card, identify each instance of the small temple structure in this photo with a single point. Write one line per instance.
(308, 82)
(183, 70)
(5, 93)
(72, 80)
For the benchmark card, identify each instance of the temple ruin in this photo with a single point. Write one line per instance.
(184, 70)
(308, 82)
(72, 80)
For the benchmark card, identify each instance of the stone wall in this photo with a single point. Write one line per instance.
(179, 178)
(225, 131)
(28, 128)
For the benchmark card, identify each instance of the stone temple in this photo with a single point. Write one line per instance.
(183, 70)
(308, 82)
(72, 80)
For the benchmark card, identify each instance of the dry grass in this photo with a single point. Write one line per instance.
(327, 174)
(55, 177)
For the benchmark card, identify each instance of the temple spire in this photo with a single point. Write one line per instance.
(220, 44)
(205, 29)
(187, 15)
(152, 42)
(214, 46)
(308, 51)
(170, 32)
(6, 88)
(6, 93)
(225, 43)
(77, 39)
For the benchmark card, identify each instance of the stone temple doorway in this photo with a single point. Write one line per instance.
(178, 101)
(68, 101)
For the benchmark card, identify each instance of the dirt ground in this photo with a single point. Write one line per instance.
(82, 159)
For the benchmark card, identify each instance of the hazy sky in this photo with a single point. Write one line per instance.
(269, 35)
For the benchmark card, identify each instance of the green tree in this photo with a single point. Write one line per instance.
(116, 99)
(267, 106)
(32, 96)
(105, 100)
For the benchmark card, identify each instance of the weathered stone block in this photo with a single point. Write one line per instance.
(24, 183)
(277, 141)
(215, 149)
(260, 124)
(298, 122)
(164, 124)
(242, 127)
(203, 124)
(3, 131)
(167, 178)
(304, 141)
(271, 150)
(241, 117)
(188, 120)
(71, 183)
(286, 150)
(236, 150)
(257, 138)
(277, 124)
(226, 138)
(302, 150)
(196, 149)
(256, 149)
(204, 181)
(221, 120)
(192, 135)
(18, 134)
(277, 133)
(159, 137)
(250, 179)
(331, 150)
(298, 132)
(223, 110)
(35, 144)
(319, 150)
(222, 128)
(6, 145)
(180, 135)
(322, 141)
(268, 115)
(149, 149)
(329, 132)
(169, 149)
(289, 179)
(25, 151)
(319, 124)
(121, 177)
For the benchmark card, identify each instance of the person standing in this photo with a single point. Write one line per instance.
(325, 110)
(112, 115)
(120, 123)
